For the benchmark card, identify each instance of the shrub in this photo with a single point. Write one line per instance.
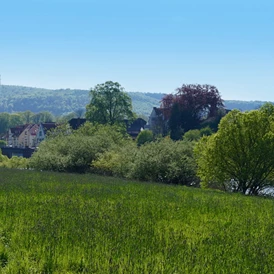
(117, 162)
(74, 152)
(163, 161)
(14, 162)
(166, 161)
(192, 135)
(144, 137)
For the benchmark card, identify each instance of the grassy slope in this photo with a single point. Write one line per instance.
(63, 223)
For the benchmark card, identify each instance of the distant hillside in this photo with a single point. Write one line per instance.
(243, 105)
(63, 101)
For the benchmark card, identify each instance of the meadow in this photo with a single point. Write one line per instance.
(68, 223)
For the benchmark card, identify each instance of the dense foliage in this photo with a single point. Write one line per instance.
(14, 162)
(189, 107)
(239, 157)
(109, 150)
(67, 223)
(160, 161)
(73, 151)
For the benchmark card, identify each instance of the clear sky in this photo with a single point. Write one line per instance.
(146, 46)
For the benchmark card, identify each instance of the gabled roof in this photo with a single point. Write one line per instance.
(48, 126)
(134, 128)
(136, 125)
(16, 131)
(33, 130)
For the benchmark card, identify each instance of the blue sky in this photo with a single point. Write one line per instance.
(146, 46)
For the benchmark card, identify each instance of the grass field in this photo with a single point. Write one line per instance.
(64, 223)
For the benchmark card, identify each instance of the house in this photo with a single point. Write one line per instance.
(134, 128)
(42, 131)
(22, 140)
(13, 135)
(75, 123)
(27, 138)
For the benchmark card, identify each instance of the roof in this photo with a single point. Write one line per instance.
(33, 129)
(48, 126)
(75, 123)
(136, 125)
(16, 131)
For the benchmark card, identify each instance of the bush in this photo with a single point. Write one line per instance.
(166, 161)
(144, 137)
(14, 162)
(163, 161)
(117, 162)
(74, 152)
(192, 135)
(206, 131)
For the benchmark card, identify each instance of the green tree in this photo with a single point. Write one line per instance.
(4, 122)
(15, 120)
(109, 104)
(26, 116)
(42, 117)
(239, 157)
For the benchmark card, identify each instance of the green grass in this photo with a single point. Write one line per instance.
(67, 223)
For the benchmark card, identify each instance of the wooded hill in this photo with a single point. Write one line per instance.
(64, 101)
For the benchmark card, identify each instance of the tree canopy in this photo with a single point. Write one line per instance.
(109, 104)
(191, 105)
(239, 157)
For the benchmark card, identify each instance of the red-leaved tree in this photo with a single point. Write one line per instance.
(191, 105)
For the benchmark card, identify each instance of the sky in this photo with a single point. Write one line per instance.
(146, 46)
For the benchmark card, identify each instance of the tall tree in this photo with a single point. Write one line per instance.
(27, 116)
(4, 122)
(42, 117)
(191, 105)
(239, 156)
(109, 104)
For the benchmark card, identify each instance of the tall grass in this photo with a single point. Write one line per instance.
(67, 223)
